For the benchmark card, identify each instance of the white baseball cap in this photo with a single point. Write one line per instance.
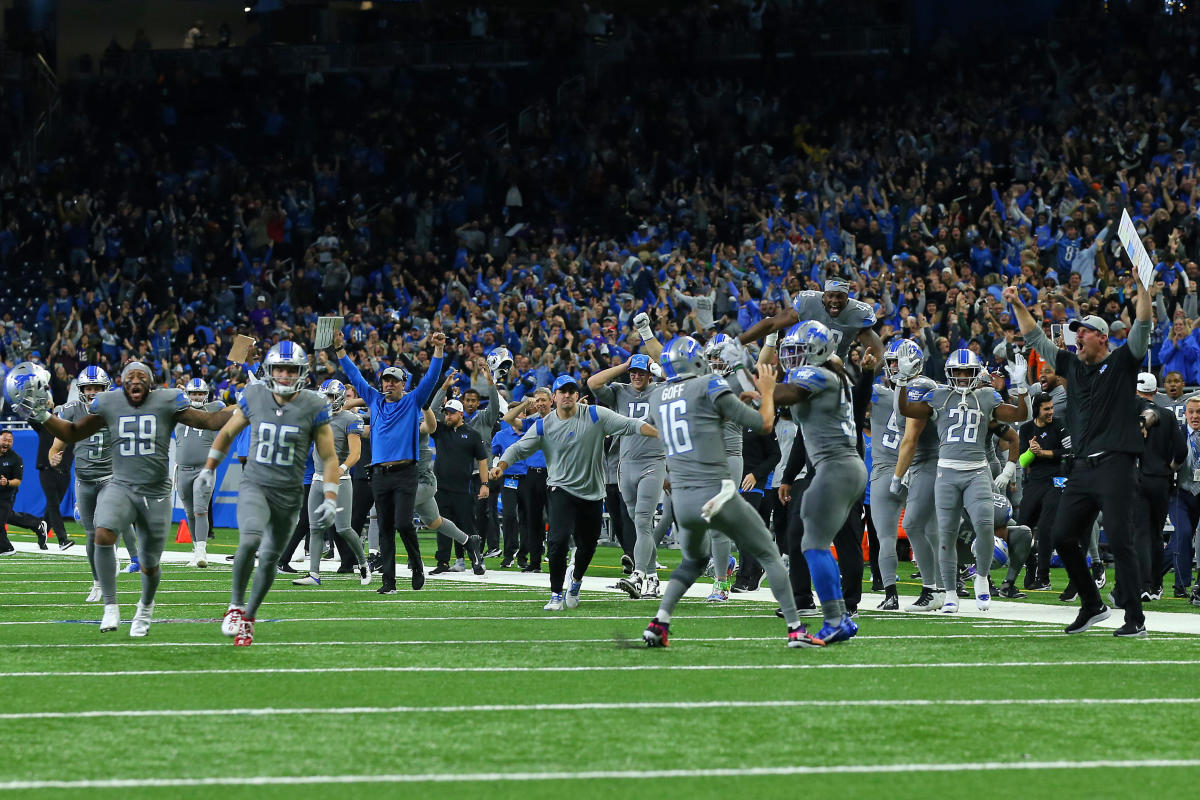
(1146, 382)
(453, 405)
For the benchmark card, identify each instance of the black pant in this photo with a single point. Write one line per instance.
(395, 496)
(1105, 484)
(18, 518)
(454, 506)
(1039, 507)
(872, 546)
(1150, 502)
(750, 572)
(533, 489)
(299, 535)
(487, 520)
(515, 517)
(797, 565)
(619, 521)
(849, 556)
(54, 486)
(363, 500)
(572, 517)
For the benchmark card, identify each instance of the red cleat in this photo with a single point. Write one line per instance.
(245, 634)
(656, 633)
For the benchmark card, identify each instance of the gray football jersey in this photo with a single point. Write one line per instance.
(629, 402)
(93, 456)
(739, 381)
(845, 327)
(280, 435)
(141, 437)
(887, 426)
(962, 420)
(691, 415)
(192, 444)
(1161, 399)
(826, 416)
(342, 424)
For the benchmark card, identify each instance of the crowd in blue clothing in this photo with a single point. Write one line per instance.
(192, 210)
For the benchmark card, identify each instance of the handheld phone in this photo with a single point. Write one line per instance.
(1056, 331)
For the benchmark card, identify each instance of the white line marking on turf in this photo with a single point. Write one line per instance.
(52, 673)
(624, 706)
(639, 774)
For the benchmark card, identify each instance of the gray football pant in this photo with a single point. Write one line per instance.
(341, 523)
(428, 512)
(641, 484)
(837, 484)
(738, 521)
(266, 521)
(920, 520)
(195, 502)
(86, 494)
(721, 545)
(956, 491)
(117, 508)
(885, 513)
(665, 521)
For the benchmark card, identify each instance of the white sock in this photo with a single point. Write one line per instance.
(663, 616)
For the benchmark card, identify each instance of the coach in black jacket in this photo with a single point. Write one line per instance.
(1166, 449)
(760, 456)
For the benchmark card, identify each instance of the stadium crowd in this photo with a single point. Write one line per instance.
(188, 210)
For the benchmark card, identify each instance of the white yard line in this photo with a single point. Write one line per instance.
(706, 705)
(638, 774)
(56, 674)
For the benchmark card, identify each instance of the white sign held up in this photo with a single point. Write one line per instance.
(1132, 243)
(325, 328)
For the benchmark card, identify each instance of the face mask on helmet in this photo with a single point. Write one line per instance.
(962, 378)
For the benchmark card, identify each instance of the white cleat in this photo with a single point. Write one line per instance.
(983, 595)
(572, 597)
(95, 595)
(939, 600)
(555, 604)
(232, 621)
(308, 580)
(718, 501)
(141, 621)
(200, 556)
(950, 606)
(651, 586)
(111, 619)
(364, 575)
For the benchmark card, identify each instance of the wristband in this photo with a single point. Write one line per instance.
(216, 455)
(343, 468)
(332, 488)
(772, 338)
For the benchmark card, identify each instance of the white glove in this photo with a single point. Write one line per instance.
(205, 482)
(899, 485)
(772, 339)
(325, 514)
(908, 367)
(1005, 477)
(642, 323)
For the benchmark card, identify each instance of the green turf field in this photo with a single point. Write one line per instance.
(471, 690)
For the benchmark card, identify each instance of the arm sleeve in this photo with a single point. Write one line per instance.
(1045, 348)
(437, 401)
(365, 390)
(1139, 339)
(1179, 445)
(492, 412)
(733, 409)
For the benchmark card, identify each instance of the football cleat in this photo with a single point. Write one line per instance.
(924, 601)
(386, 590)
(843, 631)
(800, 637)
(650, 588)
(632, 585)
(133, 566)
(626, 564)
(364, 575)
(950, 606)
(1099, 575)
(141, 621)
(555, 604)
(983, 594)
(418, 579)
(1130, 631)
(474, 545)
(1010, 592)
(460, 565)
(718, 594)
(66, 544)
(572, 598)
(200, 555)
(311, 579)
(42, 528)
(95, 595)
(245, 634)
(111, 618)
(231, 621)
(656, 633)
(891, 600)
(1087, 619)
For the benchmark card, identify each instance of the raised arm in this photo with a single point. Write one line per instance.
(780, 322)
(205, 420)
(424, 389)
(71, 432)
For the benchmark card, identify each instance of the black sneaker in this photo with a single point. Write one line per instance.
(506, 562)
(626, 564)
(42, 528)
(66, 544)
(1068, 594)
(1010, 592)
(493, 553)
(474, 545)
(345, 569)
(876, 585)
(1131, 631)
(286, 568)
(532, 568)
(374, 562)
(10, 551)
(1195, 598)
(1041, 586)
(891, 600)
(738, 588)
(386, 589)
(441, 567)
(522, 563)
(1087, 618)
(916, 574)
(418, 579)
(1156, 592)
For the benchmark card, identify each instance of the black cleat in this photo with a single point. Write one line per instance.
(506, 562)
(418, 579)
(1087, 618)
(1010, 592)
(42, 528)
(891, 600)
(626, 564)
(1099, 575)
(287, 568)
(345, 569)
(1130, 631)
(387, 588)
(441, 567)
(474, 546)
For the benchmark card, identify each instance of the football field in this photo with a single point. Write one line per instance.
(469, 689)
